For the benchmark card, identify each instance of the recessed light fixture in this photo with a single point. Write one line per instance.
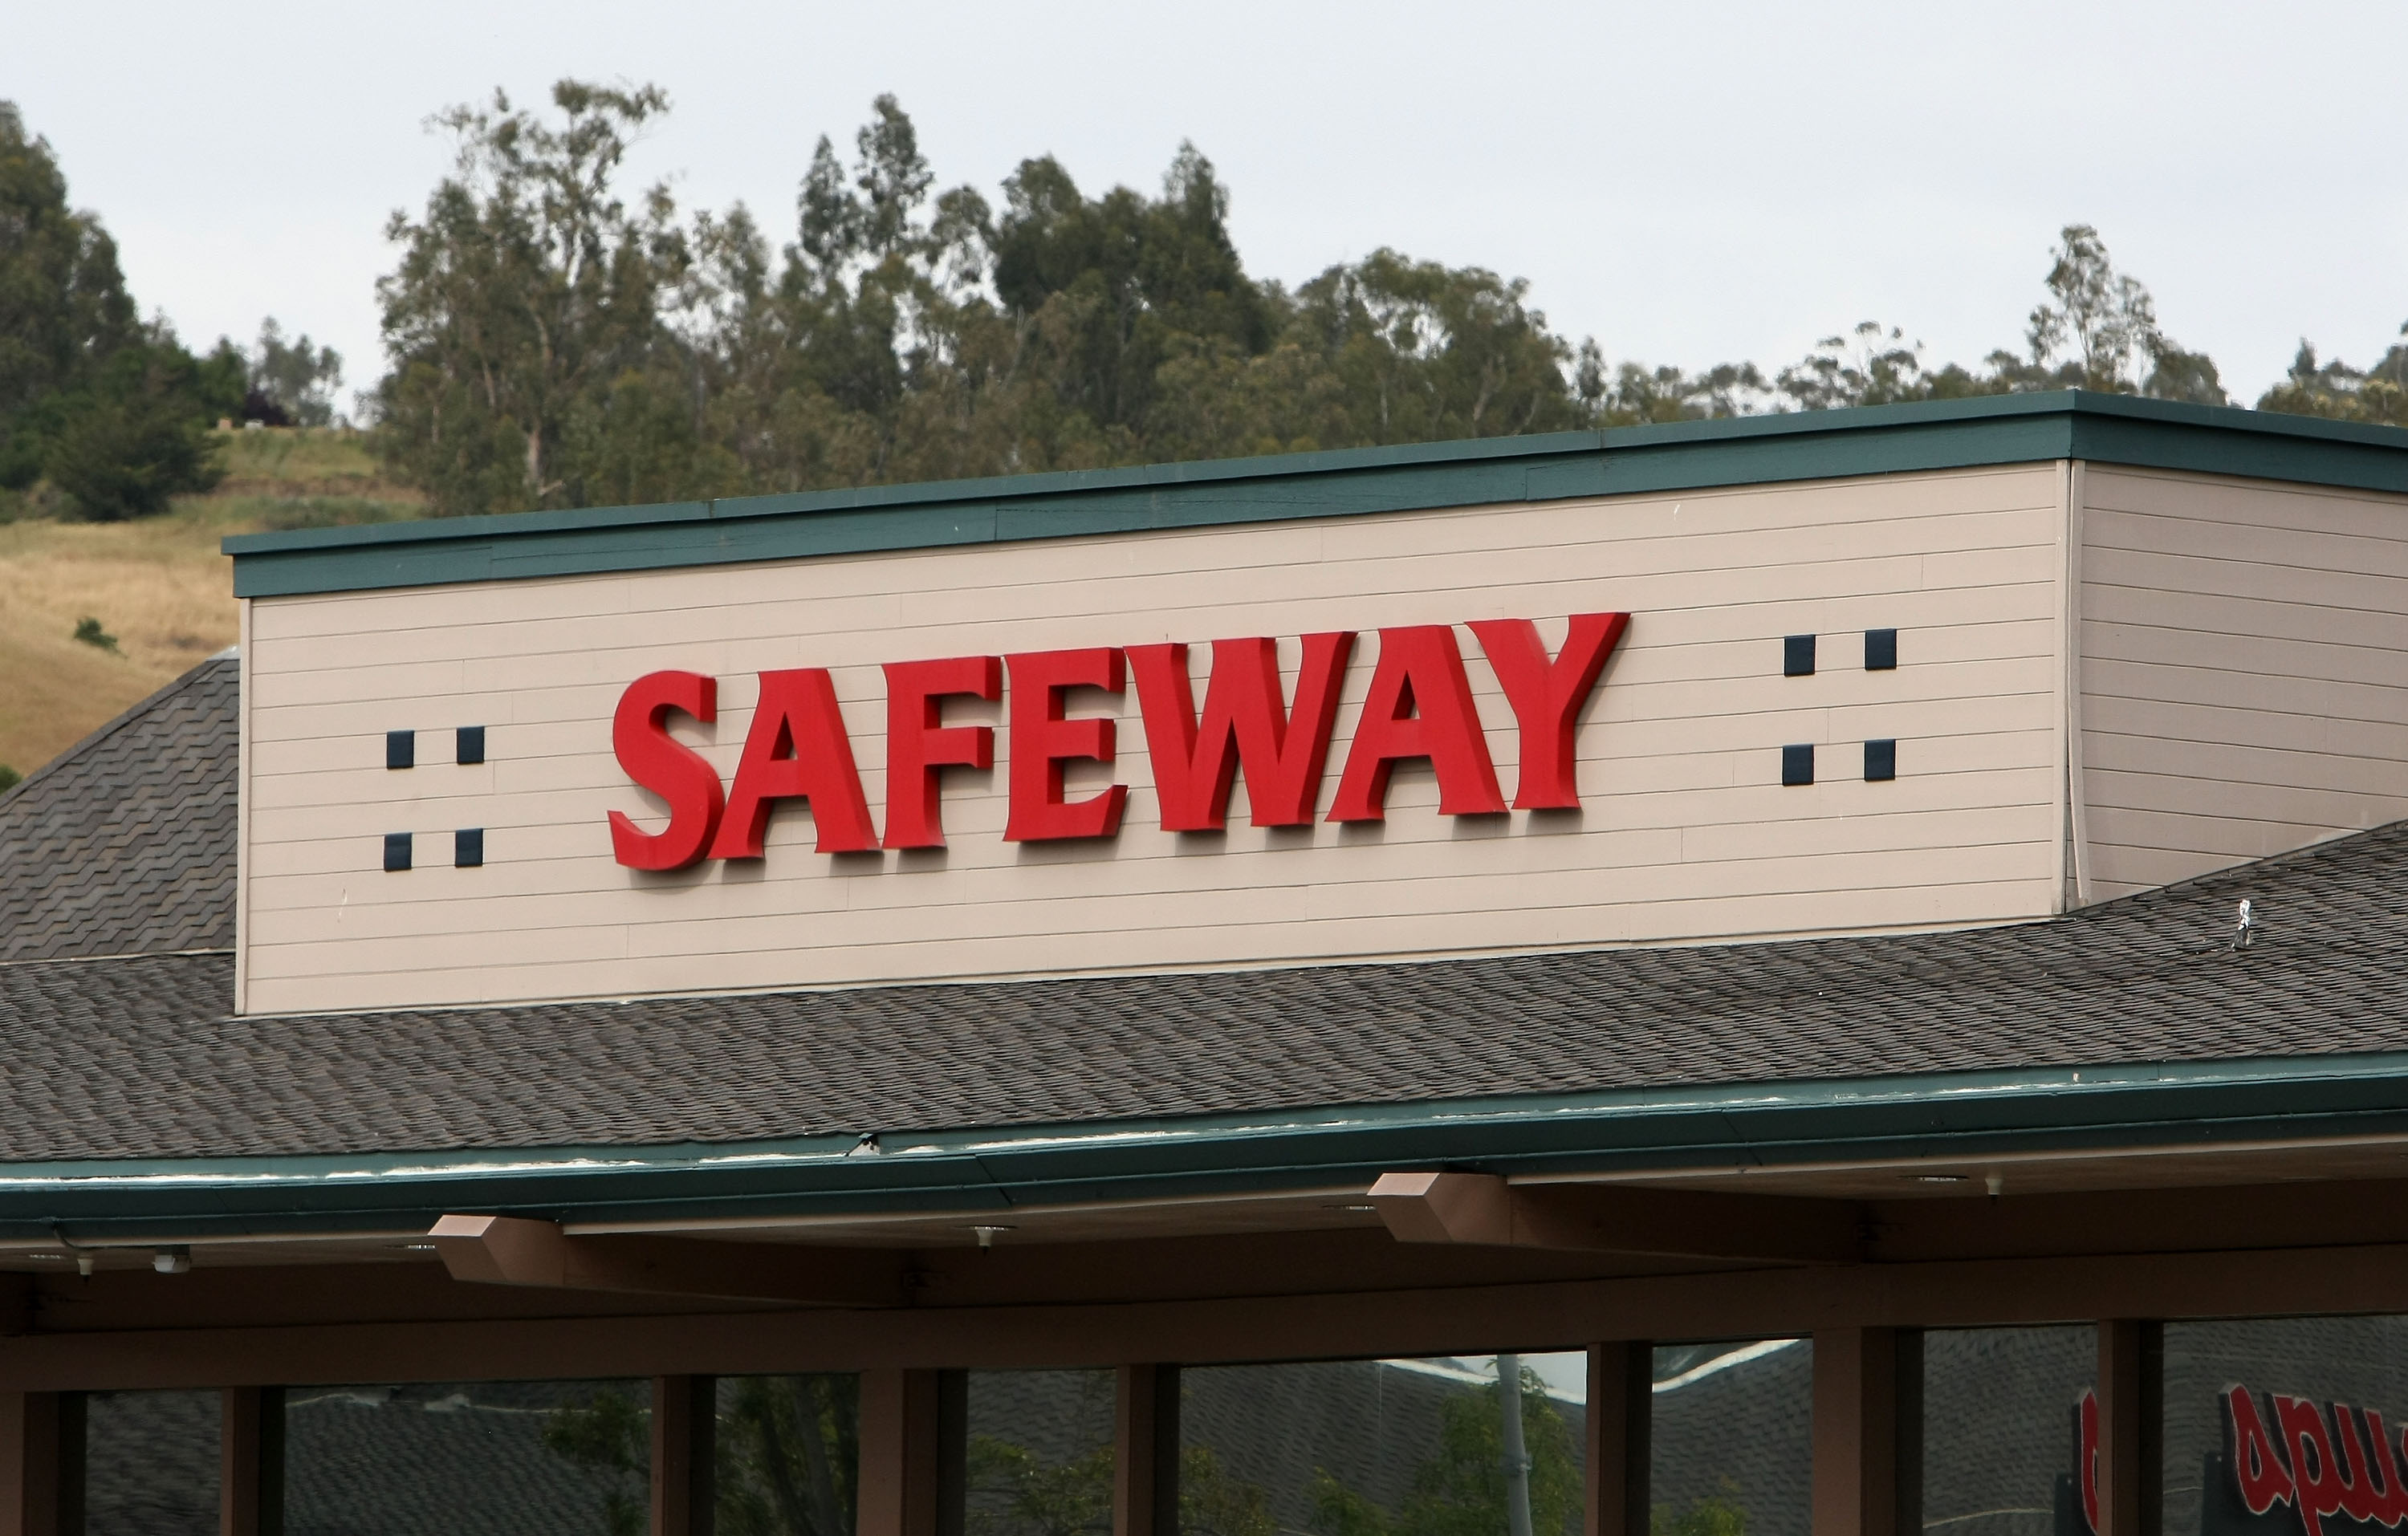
(1936, 1178)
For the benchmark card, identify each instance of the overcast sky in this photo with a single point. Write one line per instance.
(1687, 183)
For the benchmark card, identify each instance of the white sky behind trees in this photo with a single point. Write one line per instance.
(1690, 184)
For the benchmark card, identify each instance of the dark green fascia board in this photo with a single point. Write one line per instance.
(1949, 1119)
(1673, 456)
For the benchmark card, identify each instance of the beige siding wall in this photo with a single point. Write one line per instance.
(1687, 832)
(2244, 670)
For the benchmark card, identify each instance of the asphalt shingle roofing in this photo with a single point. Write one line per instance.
(140, 1056)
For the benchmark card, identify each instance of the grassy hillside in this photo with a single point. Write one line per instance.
(159, 588)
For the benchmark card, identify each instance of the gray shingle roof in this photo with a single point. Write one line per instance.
(138, 1057)
(125, 844)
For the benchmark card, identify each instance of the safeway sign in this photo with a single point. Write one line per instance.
(1418, 707)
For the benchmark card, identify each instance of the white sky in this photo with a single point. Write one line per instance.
(1688, 183)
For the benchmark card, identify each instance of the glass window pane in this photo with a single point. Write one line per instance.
(2001, 1423)
(1040, 1453)
(151, 1463)
(2317, 1382)
(1732, 1439)
(1380, 1447)
(511, 1458)
(788, 1452)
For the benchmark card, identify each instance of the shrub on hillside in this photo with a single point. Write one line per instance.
(140, 436)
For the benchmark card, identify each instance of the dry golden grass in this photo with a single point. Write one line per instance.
(160, 586)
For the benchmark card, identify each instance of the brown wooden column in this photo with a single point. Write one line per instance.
(1145, 1451)
(251, 1467)
(2131, 1421)
(898, 1490)
(686, 1425)
(1856, 1432)
(41, 1463)
(1621, 1400)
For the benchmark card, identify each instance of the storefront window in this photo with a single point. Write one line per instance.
(499, 1456)
(151, 1463)
(2001, 1420)
(1380, 1447)
(1040, 1453)
(788, 1451)
(1732, 1439)
(2288, 1426)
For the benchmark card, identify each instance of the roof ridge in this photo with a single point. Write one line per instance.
(2191, 885)
(132, 712)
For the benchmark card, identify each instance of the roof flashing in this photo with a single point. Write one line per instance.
(1915, 438)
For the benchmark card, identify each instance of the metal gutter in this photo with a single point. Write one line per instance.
(1957, 1117)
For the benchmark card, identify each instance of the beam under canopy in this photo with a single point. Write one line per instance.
(1482, 1208)
(517, 1251)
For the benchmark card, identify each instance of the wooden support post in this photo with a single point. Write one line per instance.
(685, 1426)
(1856, 1432)
(250, 1468)
(897, 1492)
(1145, 1451)
(41, 1463)
(2131, 1418)
(1621, 1398)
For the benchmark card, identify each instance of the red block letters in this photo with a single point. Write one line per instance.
(797, 750)
(1418, 707)
(1246, 724)
(1042, 739)
(639, 733)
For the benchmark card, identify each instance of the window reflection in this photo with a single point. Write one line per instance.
(151, 1463)
(2001, 1422)
(1406, 1447)
(528, 1459)
(788, 1451)
(1731, 1447)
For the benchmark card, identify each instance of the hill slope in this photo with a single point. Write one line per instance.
(159, 588)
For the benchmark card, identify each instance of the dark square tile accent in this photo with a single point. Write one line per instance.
(1798, 765)
(1881, 650)
(472, 743)
(1881, 760)
(1797, 657)
(468, 847)
(400, 749)
(396, 851)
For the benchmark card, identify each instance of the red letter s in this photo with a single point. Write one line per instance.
(639, 733)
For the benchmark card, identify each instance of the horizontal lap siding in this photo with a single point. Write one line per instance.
(2244, 668)
(1686, 832)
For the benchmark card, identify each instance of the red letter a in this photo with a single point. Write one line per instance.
(639, 734)
(1246, 723)
(1547, 697)
(1420, 706)
(797, 748)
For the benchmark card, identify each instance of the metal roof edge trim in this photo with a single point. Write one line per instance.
(1922, 435)
(1939, 1117)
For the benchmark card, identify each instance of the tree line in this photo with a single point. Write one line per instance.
(556, 337)
(107, 409)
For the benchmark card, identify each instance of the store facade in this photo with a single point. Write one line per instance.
(1858, 960)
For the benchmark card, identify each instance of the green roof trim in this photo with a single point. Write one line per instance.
(1676, 456)
(1946, 1118)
